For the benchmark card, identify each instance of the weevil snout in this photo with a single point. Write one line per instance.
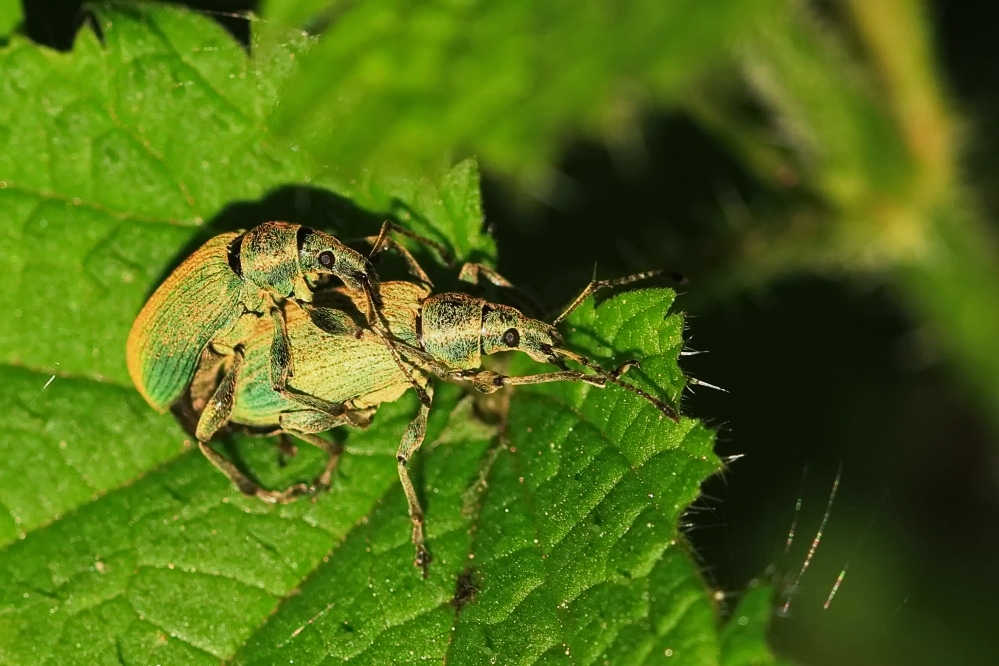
(320, 252)
(541, 341)
(505, 328)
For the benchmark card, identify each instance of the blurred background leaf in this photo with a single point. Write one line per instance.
(822, 171)
(511, 83)
(10, 16)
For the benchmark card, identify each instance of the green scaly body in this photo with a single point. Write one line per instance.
(337, 359)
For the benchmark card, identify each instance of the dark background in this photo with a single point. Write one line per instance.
(823, 377)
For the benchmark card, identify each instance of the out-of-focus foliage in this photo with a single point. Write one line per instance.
(867, 141)
(10, 16)
(510, 82)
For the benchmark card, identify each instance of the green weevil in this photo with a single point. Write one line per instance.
(344, 371)
(244, 274)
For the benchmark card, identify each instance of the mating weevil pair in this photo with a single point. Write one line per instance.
(205, 300)
(344, 369)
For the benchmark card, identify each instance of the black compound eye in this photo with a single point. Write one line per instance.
(511, 338)
(325, 259)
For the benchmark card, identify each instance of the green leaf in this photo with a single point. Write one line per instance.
(743, 639)
(401, 82)
(555, 533)
(294, 13)
(11, 16)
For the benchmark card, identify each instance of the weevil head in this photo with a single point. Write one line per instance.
(505, 329)
(321, 253)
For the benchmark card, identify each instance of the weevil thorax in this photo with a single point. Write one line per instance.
(507, 329)
(267, 257)
(319, 253)
(449, 328)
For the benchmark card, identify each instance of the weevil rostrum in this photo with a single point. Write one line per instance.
(236, 275)
(344, 371)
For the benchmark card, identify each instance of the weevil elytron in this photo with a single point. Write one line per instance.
(233, 275)
(344, 371)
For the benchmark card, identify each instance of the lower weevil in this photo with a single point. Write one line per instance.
(344, 371)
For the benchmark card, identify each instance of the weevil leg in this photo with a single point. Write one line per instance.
(383, 242)
(306, 424)
(412, 265)
(375, 317)
(219, 406)
(286, 448)
(211, 366)
(215, 415)
(246, 485)
(487, 381)
(332, 409)
(596, 285)
(281, 370)
(281, 361)
(412, 439)
(473, 272)
(333, 451)
(360, 418)
(375, 321)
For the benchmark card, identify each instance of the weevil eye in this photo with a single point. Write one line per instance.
(511, 338)
(326, 259)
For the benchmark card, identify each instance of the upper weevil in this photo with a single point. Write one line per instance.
(236, 274)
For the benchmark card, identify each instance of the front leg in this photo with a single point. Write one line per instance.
(383, 242)
(375, 322)
(487, 381)
(472, 272)
(282, 369)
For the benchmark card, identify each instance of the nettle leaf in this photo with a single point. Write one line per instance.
(742, 640)
(554, 531)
